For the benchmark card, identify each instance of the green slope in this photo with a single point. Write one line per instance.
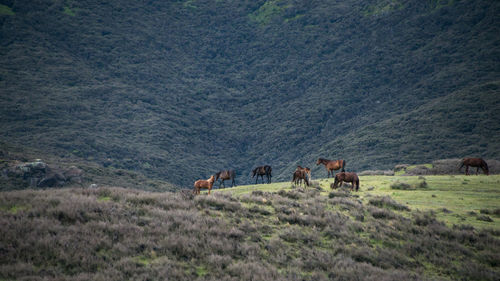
(177, 90)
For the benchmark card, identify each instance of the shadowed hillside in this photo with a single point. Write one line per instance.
(179, 89)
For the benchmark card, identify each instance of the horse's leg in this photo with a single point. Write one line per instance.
(477, 170)
(466, 170)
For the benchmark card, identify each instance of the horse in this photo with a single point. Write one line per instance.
(305, 170)
(332, 165)
(263, 171)
(299, 175)
(207, 184)
(474, 162)
(347, 177)
(223, 175)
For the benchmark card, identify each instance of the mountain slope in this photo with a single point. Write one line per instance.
(179, 89)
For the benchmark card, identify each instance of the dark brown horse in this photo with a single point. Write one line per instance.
(332, 165)
(298, 176)
(307, 172)
(206, 184)
(347, 177)
(474, 162)
(223, 175)
(263, 171)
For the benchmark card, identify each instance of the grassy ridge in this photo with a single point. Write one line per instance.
(465, 198)
(264, 232)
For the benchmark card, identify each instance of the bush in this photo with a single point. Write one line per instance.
(387, 202)
(401, 186)
(405, 186)
(380, 213)
(484, 218)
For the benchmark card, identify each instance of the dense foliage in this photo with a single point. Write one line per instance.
(180, 89)
(123, 234)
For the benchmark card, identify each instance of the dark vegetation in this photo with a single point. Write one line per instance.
(123, 234)
(177, 90)
(12, 176)
(407, 186)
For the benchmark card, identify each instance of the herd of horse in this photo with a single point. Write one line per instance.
(303, 175)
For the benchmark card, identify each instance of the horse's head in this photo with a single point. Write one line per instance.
(254, 171)
(319, 161)
(335, 183)
(211, 179)
(217, 175)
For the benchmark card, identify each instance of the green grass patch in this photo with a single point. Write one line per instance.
(266, 12)
(104, 198)
(6, 10)
(383, 7)
(441, 192)
(201, 271)
(67, 10)
(14, 209)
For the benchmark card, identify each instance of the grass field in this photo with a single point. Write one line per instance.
(455, 199)
(256, 232)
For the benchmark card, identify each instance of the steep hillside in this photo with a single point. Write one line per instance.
(121, 234)
(179, 89)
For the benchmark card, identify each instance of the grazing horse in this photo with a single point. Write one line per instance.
(347, 177)
(263, 171)
(223, 175)
(299, 175)
(305, 170)
(474, 162)
(207, 184)
(332, 165)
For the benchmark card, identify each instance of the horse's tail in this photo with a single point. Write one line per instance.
(485, 167)
(462, 164)
(343, 165)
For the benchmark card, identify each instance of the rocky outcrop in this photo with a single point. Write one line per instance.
(40, 174)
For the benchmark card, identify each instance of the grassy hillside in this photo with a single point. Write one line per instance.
(177, 90)
(453, 199)
(264, 232)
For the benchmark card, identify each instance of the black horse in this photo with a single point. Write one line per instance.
(263, 171)
(223, 175)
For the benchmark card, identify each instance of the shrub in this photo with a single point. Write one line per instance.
(387, 202)
(484, 218)
(405, 186)
(401, 186)
(338, 194)
(380, 213)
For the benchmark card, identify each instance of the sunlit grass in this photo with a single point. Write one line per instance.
(456, 199)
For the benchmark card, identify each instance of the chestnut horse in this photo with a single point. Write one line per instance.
(207, 184)
(347, 177)
(332, 165)
(263, 171)
(299, 175)
(223, 175)
(474, 162)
